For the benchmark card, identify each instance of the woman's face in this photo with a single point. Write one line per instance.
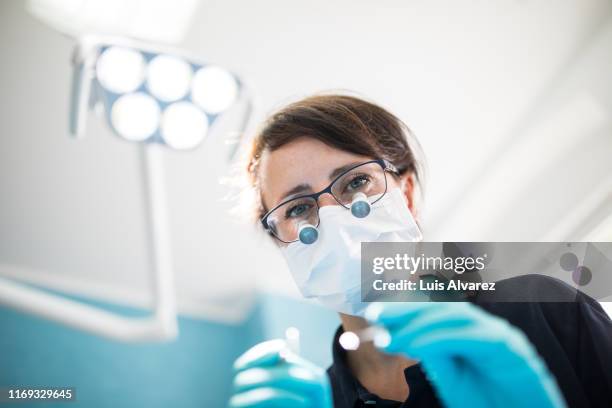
(307, 165)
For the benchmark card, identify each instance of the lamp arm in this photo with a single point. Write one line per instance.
(162, 323)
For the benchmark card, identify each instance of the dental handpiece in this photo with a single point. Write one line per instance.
(353, 340)
(292, 337)
(292, 344)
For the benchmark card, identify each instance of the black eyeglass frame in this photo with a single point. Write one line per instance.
(384, 164)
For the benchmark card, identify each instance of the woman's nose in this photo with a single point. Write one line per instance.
(327, 199)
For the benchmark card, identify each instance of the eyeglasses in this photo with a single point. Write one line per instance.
(369, 179)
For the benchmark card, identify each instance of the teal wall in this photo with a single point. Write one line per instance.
(193, 371)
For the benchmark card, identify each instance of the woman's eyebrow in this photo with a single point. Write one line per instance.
(303, 188)
(339, 170)
(300, 188)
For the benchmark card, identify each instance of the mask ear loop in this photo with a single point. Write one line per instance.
(403, 185)
(402, 188)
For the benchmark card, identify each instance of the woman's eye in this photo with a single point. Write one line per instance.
(297, 210)
(357, 182)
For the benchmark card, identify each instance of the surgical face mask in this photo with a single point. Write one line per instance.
(329, 269)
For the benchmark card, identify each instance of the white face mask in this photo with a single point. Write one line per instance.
(330, 268)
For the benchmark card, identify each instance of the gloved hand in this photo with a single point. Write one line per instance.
(472, 358)
(269, 375)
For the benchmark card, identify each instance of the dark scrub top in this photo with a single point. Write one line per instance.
(573, 338)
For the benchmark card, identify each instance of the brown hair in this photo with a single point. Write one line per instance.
(344, 122)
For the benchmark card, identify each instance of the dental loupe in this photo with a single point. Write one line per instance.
(308, 233)
(360, 208)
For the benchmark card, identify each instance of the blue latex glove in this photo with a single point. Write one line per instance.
(472, 358)
(269, 375)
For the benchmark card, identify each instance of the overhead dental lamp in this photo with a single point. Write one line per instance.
(149, 93)
(153, 95)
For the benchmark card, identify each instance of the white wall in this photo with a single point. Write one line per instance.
(498, 85)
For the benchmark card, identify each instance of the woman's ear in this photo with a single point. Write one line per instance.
(407, 185)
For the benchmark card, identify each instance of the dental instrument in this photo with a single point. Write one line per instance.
(353, 340)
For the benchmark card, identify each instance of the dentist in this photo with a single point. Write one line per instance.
(332, 171)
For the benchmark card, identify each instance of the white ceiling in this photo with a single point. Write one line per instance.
(502, 85)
